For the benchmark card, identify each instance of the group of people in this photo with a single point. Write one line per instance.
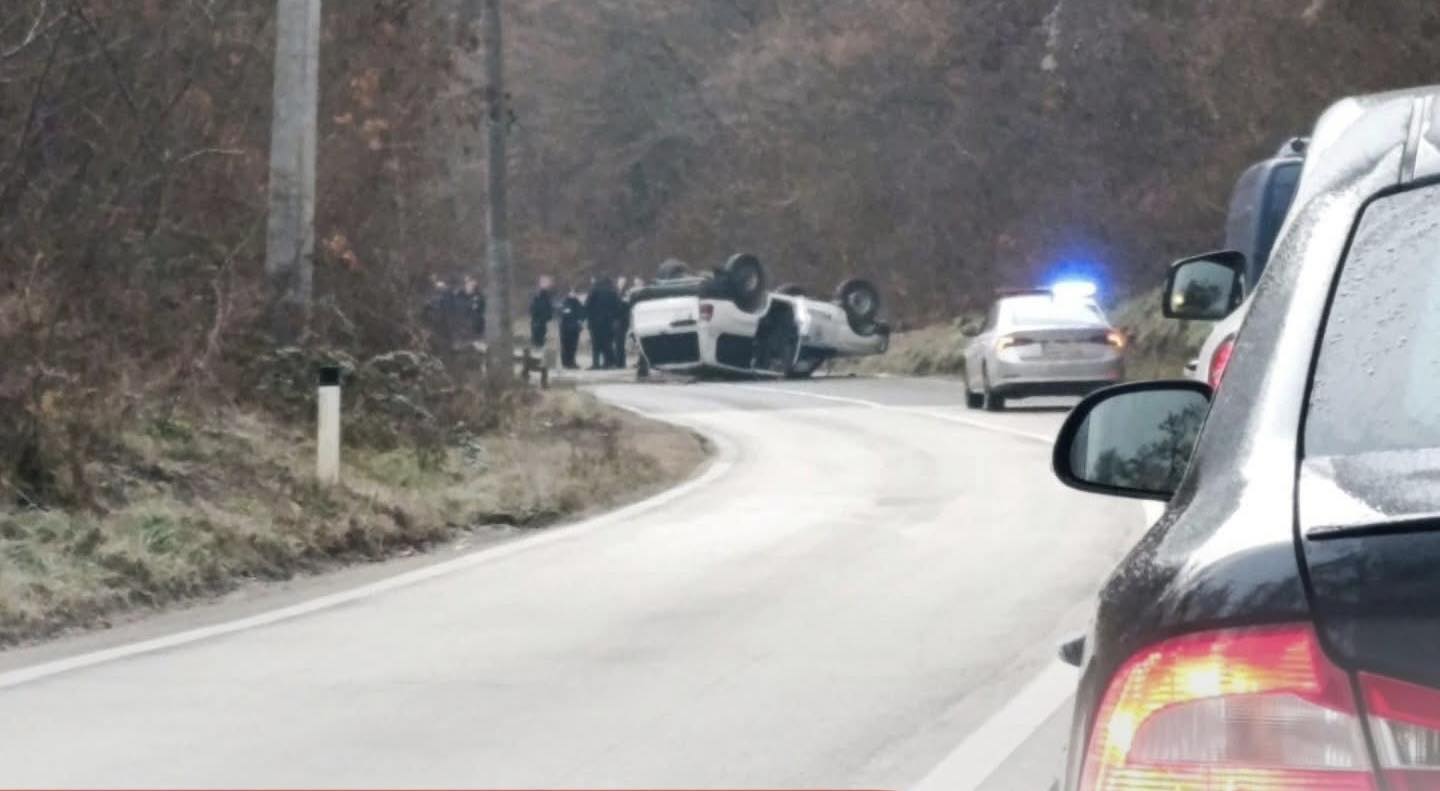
(604, 311)
(456, 311)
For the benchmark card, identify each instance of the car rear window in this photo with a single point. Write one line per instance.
(1040, 311)
(1377, 379)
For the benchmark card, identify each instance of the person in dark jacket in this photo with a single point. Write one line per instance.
(602, 308)
(572, 320)
(448, 313)
(475, 298)
(622, 322)
(542, 311)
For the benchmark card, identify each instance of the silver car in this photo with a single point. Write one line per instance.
(1041, 343)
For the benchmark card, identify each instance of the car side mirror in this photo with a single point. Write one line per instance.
(1132, 440)
(1207, 287)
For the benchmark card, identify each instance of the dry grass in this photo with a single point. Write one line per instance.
(937, 350)
(1159, 347)
(196, 509)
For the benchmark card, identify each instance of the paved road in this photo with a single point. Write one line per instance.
(865, 578)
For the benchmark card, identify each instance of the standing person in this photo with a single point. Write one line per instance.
(542, 311)
(601, 306)
(475, 301)
(572, 319)
(436, 308)
(622, 321)
(636, 283)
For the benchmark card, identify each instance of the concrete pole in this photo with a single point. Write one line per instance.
(290, 239)
(500, 284)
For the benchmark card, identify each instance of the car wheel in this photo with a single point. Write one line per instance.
(745, 277)
(989, 399)
(861, 301)
(973, 400)
(672, 269)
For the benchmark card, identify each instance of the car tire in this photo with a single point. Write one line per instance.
(990, 400)
(861, 301)
(973, 400)
(745, 279)
(672, 269)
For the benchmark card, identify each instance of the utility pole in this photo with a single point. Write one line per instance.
(500, 283)
(290, 239)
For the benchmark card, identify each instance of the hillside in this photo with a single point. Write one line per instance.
(944, 148)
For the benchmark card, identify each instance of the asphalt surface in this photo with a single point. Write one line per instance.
(866, 575)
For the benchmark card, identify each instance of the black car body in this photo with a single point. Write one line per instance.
(1309, 511)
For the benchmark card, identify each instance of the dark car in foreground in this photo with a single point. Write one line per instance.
(1279, 627)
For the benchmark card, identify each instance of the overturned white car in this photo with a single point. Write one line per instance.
(730, 322)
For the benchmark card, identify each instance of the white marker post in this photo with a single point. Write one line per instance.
(327, 446)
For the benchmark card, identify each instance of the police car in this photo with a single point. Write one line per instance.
(730, 322)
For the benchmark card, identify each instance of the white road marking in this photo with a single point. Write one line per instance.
(1153, 511)
(964, 421)
(988, 747)
(722, 463)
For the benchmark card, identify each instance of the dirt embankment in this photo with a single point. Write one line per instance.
(200, 504)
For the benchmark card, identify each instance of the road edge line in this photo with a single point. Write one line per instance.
(989, 746)
(719, 465)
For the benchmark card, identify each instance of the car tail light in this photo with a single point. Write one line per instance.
(1240, 709)
(1011, 341)
(707, 311)
(1221, 360)
(1405, 726)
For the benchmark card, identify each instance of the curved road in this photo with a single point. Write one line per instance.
(863, 578)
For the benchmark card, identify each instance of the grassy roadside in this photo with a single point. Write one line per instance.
(1159, 347)
(199, 505)
(936, 350)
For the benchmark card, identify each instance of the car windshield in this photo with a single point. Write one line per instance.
(1040, 311)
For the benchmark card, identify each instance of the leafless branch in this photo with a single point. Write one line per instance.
(38, 29)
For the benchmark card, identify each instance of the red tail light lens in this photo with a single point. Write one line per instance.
(1115, 339)
(1241, 709)
(1405, 725)
(1012, 341)
(707, 311)
(1221, 360)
